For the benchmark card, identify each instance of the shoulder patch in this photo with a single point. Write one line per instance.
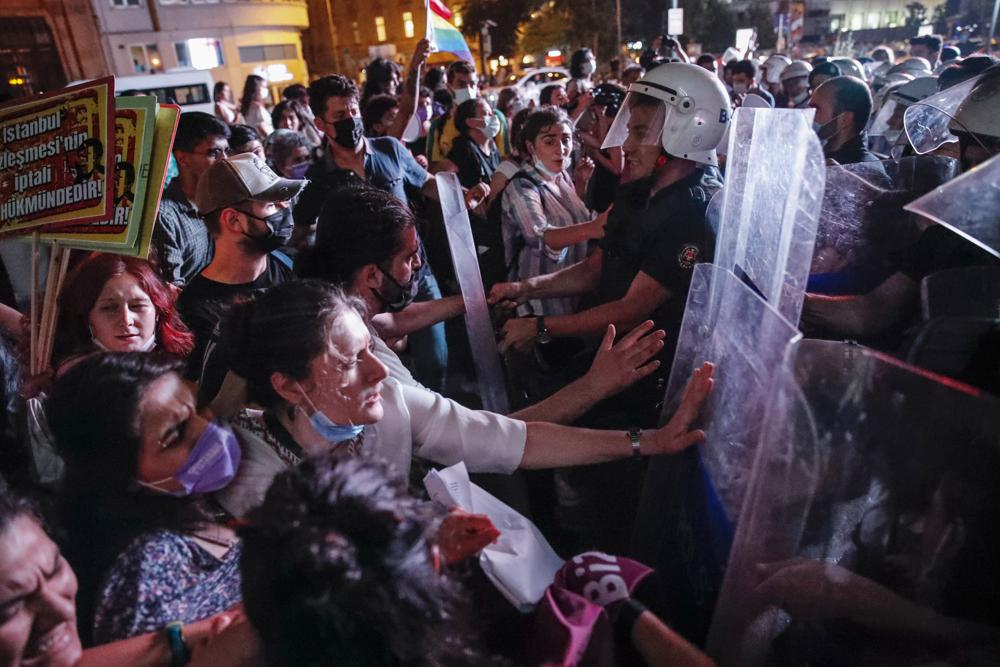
(688, 255)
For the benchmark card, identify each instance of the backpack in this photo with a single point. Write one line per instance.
(488, 235)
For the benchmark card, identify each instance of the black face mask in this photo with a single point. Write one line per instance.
(405, 293)
(349, 132)
(279, 230)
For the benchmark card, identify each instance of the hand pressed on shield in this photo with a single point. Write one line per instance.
(622, 364)
(476, 195)
(675, 436)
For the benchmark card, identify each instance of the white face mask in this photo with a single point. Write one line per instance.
(265, 94)
(740, 88)
(465, 94)
(146, 347)
(800, 98)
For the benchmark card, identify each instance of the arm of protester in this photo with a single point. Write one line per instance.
(816, 590)
(582, 175)
(417, 316)
(580, 278)
(866, 315)
(558, 238)
(555, 446)
(474, 196)
(168, 247)
(660, 646)
(583, 102)
(153, 649)
(616, 366)
(644, 296)
(410, 89)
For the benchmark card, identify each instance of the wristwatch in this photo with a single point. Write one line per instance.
(543, 334)
(633, 435)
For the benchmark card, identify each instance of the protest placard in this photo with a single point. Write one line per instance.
(134, 125)
(55, 168)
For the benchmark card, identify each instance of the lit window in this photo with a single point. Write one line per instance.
(125, 3)
(200, 53)
(268, 52)
(408, 24)
(456, 19)
(357, 33)
(380, 28)
(873, 19)
(857, 21)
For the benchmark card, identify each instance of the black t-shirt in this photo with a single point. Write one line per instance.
(474, 166)
(663, 237)
(203, 304)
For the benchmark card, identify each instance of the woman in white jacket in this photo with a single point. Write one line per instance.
(306, 354)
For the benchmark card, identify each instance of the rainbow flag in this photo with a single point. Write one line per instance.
(443, 36)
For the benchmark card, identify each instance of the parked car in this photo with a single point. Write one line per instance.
(529, 82)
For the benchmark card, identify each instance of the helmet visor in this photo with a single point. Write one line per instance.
(926, 122)
(639, 122)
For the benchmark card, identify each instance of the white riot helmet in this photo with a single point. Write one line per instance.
(850, 67)
(773, 67)
(977, 114)
(797, 70)
(888, 121)
(689, 112)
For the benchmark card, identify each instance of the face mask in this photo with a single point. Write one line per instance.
(146, 347)
(492, 127)
(298, 171)
(422, 114)
(327, 428)
(740, 88)
(588, 68)
(210, 466)
(800, 98)
(465, 94)
(265, 94)
(540, 166)
(279, 230)
(349, 131)
(825, 135)
(407, 292)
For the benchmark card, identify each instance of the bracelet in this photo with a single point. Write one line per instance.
(179, 653)
(634, 434)
(631, 610)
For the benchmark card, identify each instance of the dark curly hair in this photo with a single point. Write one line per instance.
(326, 87)
(337, 568)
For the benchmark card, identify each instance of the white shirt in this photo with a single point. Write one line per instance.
(416, 422)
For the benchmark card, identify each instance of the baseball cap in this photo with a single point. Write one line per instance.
(242, 178)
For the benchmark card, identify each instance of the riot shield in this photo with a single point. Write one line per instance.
(690, 503)
(870, 534)
(482, 337)
(968, 205)
(770, 204)
(864, 231)
(926, 122)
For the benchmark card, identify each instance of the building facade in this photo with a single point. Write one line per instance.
(347, 34)
(46, 44)
(229, 38)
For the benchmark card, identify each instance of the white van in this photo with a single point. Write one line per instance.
(191, 89)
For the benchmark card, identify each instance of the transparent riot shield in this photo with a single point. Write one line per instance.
(690, 503)
(482, 337)
(863, 230)
(774, 189)
(926, 122)
(870, 534)
(968, 205)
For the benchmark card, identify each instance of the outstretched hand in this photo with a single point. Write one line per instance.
(676, 435)
(463, 535)
(622, 364)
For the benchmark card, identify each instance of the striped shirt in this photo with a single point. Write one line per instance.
(529, 210)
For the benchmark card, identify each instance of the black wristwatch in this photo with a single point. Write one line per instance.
(543, 334)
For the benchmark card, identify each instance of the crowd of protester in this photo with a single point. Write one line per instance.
(221, 466)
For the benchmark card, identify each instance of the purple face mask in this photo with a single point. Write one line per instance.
(210, 466)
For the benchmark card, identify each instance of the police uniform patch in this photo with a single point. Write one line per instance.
(688, 255)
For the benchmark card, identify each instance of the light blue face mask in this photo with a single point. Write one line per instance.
(492, 127)
(327, 428)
